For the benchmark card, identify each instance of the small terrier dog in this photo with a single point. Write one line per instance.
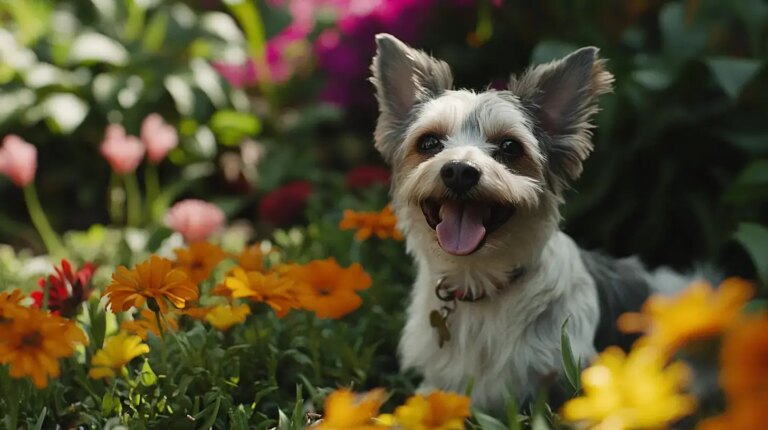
(477, 181)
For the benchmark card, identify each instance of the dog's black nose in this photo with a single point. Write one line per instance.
(459, 176)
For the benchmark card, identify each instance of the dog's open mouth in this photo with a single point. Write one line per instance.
(463, 225)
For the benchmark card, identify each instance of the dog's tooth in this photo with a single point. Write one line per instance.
(440, 212)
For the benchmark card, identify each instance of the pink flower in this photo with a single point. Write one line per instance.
(124, 153)
(18, 160)
(195, 219)
(158, 137)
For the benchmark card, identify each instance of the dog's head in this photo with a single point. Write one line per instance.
(477, 175)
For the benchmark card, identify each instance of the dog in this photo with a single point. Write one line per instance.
(477, 181)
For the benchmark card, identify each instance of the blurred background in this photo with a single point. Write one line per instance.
(275, 115)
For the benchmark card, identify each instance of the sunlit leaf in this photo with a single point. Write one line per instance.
(98, 48)
(732, 74)
(754, 238)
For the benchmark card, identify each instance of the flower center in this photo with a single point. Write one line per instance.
(32, 340)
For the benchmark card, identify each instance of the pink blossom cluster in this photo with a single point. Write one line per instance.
(124, 152)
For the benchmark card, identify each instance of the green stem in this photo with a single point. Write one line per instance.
(116, 200)
(248, 15)
(314, 345)
(152, 187)
(133, 197)
(12, 401)
(50, 238)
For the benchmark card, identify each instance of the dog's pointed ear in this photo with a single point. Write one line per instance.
(403, 77)
(562, 96)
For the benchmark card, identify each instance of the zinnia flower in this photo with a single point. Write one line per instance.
(437, 411)
(67, 289)
(631, 392)
(33, 341)
(366, 176)
(744, 377)
(251, 259)
(153, 279)
(272, 289)
(199, 260)
(381, 224)
(118, 351)
(18, 160)
(697, 312)
(225, 316)
(196, 220)
(147, 323)
(158, 137)
(122, 152)
(345, 410)
(285, 204)
(327, 289)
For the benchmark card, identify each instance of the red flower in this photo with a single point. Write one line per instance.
(365, 176)
(67, 289)
(284, 204)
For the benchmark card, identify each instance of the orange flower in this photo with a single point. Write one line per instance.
(438, 411)
(197, 312)
(345, 410)
(382, 224)
(32, 342)
(221, 290)
(744, 377)
(9, 302)
(327, 289)
(251, 259)
(147, 323)
(272, 289)
(199, 260)
(696, 313)
(153, 279)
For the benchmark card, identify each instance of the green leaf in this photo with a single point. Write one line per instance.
(148, 376)
(569, 361)
(513, 410)
(41, 419)
(754, 238)
(549, 50)
(64, 112)
(98, 48)
(732, 74)
(154, 35)
(488, 422)
(231, 126)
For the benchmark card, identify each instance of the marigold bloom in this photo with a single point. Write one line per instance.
(122, 152)
(251, 259)
(272, 289)
(8, 302)
(147, 323)
(697, 312)
(225, 316)
(437, 411)
(154, 279)
(118, 351)
(381, 224)
(345, 410)
(199, 259)
(33, 341)
(18, 160)
(631, 392)
(196, 220)
(158, 137)
(67, 289)
(744, 377)
(327, 289)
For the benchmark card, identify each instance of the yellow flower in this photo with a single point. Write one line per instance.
(631, 392)
(327, 289)
(199, 260)
(251, 259)
(381, 224)
(345, 410)
(272, 289)
(147, 323)
(118, 351)
(438, 411)
(696, 313)
(744, 377)
(153, 279)
(32, 342)
(224, 317)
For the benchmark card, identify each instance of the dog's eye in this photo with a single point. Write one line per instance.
(511, 148)
(429, 144)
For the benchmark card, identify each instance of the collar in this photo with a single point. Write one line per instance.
(447, 293)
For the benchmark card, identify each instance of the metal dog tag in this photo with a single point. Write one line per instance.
(438, 322)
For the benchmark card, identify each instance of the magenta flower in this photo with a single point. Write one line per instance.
(158, 137)
(195, 219)
(124, 153)
(18, 160)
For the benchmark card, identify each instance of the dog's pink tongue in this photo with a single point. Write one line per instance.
(461, 229)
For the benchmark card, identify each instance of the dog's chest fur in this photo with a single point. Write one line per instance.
(511, 342)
